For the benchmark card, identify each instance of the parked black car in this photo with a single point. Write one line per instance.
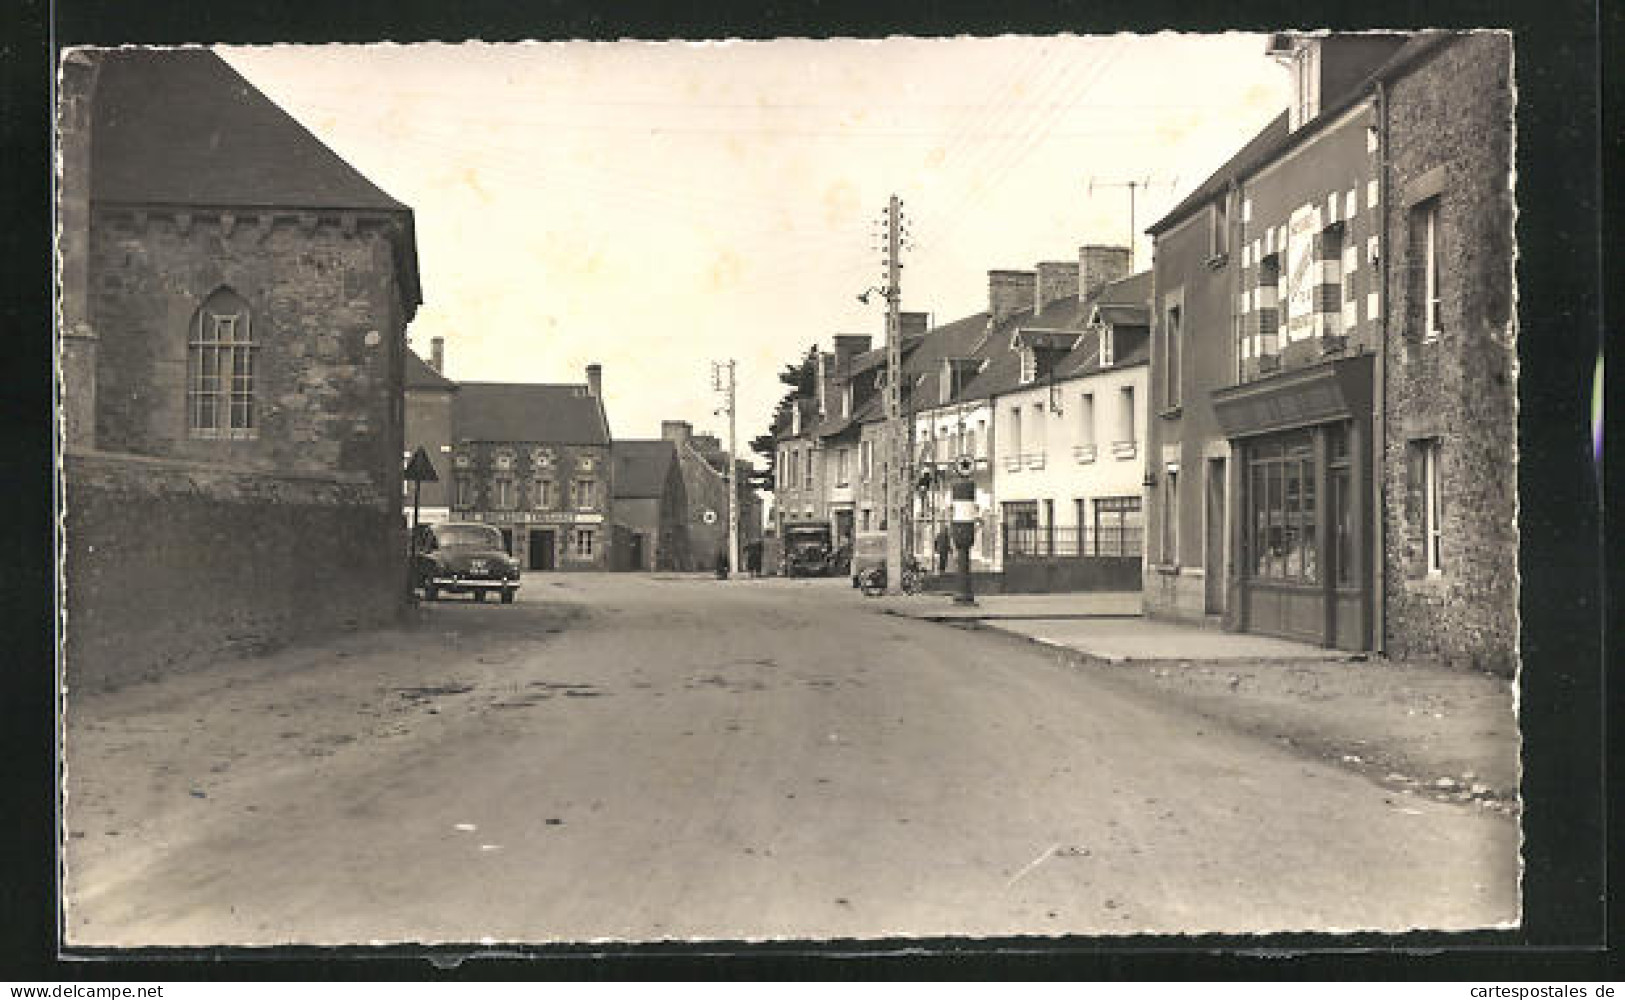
(464, 558)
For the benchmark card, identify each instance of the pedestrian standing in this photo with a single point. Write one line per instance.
(944, 545)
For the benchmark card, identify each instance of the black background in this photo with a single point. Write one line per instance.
(1561, 182)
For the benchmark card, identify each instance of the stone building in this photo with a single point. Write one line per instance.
(703, 463)
(650, 510)
(533, 460)
(1449, 402)
(232, 314)
(1312, 422)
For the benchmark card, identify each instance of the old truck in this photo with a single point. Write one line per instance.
(808, 548)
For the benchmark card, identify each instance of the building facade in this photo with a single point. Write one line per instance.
(533, 460)
(429, 425)
(233, 310)
(1070, 484)
(1285, 496)
(650, 510)
(703, 463)
(1450, 538)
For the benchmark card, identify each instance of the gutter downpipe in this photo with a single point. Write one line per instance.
(1379, 446)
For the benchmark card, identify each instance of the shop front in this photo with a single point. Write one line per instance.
(1301, 443)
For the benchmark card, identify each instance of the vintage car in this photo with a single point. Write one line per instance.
(807, 549)
(463, 558)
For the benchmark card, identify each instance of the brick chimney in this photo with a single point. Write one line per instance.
(676, 431)
(849, 346)
(1099, 266)
(595, 380)
(437, 355)
(1057, 281)
(1009, 292)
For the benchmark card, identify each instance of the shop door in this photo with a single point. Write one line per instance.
(541, 549)
(635, 553)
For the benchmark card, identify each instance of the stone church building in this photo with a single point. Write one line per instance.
(233, 301)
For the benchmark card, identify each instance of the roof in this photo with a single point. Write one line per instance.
(1003, 371)
(1275, 138)
(517, 411)
(642, 468)
(181, 127)
(420, 376)
(1126, 302)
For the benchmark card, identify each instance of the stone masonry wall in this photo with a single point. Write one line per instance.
(326, 311)
(1450, 137)
(172, 564)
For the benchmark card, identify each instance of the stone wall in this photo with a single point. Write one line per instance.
(326, 311)
(563, 465)
(172, 564)
(1450, 139)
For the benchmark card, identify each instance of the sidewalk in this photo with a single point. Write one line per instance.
(1016, 607)
(1418, 728)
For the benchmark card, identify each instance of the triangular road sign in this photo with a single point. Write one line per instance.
(420, 469)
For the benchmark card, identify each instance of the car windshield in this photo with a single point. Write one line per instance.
(469, 535)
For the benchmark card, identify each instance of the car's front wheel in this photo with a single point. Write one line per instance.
(507, 595)
(430, 591)
(479, 595)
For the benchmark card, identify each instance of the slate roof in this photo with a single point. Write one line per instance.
(518, 411)
(420, 376)
(1274, 139)
(1003, 371)
(181, 127)
(642, 468)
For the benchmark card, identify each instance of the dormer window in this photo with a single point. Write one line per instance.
(1106, 346)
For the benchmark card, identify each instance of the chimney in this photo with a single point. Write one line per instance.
(1057, 281)
(849, 346)
(595, 380)
(1009, 292)
(676, 431)
(822, 385)
(437, 355)
(1099, 266)
(912, 324)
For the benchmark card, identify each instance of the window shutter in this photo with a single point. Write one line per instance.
(1415, 511)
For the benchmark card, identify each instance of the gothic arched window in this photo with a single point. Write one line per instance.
(220, 369)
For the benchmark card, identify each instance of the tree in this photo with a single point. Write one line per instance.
(802, 378)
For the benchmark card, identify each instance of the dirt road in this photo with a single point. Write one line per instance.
(635, 758)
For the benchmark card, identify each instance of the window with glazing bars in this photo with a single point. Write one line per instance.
(220, 369)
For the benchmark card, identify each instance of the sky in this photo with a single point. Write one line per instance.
(655, 207)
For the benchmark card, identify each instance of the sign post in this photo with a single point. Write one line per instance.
(419, 470)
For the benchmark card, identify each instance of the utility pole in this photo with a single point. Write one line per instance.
(722, 380)
(897, 486)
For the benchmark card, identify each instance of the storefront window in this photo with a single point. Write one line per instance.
(1285, 510)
